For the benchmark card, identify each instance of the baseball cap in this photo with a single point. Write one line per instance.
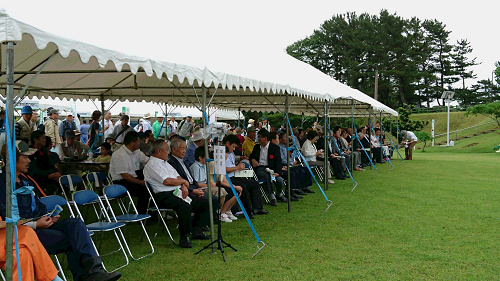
(27, 110)
(21, 147)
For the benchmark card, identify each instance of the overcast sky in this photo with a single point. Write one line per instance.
(200, 32)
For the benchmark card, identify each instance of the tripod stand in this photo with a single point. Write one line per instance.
(220, 242)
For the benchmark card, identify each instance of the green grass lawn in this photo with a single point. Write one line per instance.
(435, 217)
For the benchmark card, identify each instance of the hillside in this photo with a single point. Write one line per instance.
(480, 139)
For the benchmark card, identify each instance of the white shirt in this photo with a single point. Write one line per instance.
(190, 179)
(110, 128)
(156, 171)
(411, 136)
(174, 126)
(126, 161)
(230, 163)
(309, 150)
(264, 151)
(146, 125)
(374, 141)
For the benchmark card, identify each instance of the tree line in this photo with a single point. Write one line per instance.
(415, 59)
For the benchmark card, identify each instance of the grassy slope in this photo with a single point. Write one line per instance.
(431, 218)
(458, 120)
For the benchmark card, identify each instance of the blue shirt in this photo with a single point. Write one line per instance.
(199, 172)
(84, 129)
(284, 153)
(189, 156)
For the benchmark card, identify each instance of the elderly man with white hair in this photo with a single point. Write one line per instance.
(409, 141)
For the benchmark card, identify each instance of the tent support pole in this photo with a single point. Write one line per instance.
(165, 118)
(352, 140)
(8, 194)
(210, 205)
(288, 131)
(102, 117)
(325, 151)
(239, 115)
(369, 129)
(390, 128)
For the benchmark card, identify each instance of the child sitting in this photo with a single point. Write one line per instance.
(227, 200)
(104, 157)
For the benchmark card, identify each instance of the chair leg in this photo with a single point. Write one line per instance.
(60, 268)
(149, 241)
(264, 194)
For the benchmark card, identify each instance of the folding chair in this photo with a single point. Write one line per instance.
(261, 186)
(89, 197)
(70, 182)
(155, 208)
(120, 193)
(97, 180)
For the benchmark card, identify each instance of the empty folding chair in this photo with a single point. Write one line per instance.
(89, 197)
(71, 182)
(96, 181)
(155, 208)
(125, 203)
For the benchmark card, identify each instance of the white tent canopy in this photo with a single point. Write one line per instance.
(82, 71)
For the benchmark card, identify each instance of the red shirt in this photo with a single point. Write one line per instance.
(242, 139)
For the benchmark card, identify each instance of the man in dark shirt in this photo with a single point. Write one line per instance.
(41, 168)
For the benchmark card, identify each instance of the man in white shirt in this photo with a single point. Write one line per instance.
(164, 180)
(266, 125)
(124, 169)
(172, 127)
(108, 124)
(146, 124)
(409, 140)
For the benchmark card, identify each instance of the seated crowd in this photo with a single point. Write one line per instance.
(176, 171)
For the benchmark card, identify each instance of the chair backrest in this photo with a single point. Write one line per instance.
(89, 197)
(70, 181)
(97, 178)
(113, 191)
(120, 193)
(51, 201)
(83, 197)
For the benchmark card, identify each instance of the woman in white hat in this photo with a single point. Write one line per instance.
(251, 122)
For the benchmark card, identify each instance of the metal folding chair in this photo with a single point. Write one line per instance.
(71, 182)
(156, 208)
(97, 180)
(261, 182)
(89, 197)
(121, 195)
